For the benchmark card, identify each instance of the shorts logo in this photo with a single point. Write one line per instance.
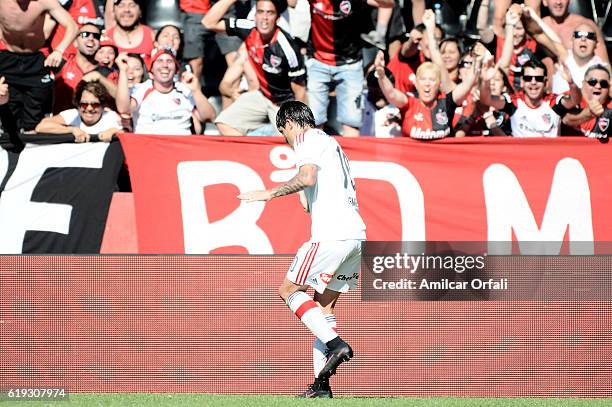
(355, 276)
(275, 61)
(603, 123)
(325, 277)
(345, 7)
(441, 117)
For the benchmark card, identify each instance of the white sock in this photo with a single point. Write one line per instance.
(310, 314)
(319, 349)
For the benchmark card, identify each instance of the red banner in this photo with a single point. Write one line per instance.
(474, 189)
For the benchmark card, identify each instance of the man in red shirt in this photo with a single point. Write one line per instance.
(126, 30)
(76, 65)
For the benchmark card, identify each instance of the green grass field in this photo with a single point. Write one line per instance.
(154, 400)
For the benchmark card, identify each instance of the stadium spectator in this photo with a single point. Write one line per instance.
(428, 116)
(478, 119)
(76, 65)
(380, 118)
(169, 36)
(329, 261)
(107, 53)
(136, 69)
(596, 108)
(335, 51)
(91, 115)
(450, 68)
(412, 53)
(274, 55)
(564, 23)
(25, 61)
(533, 112)
(126, 30)
(159, 105)
(82, 12)
(196, 36)
(515, 46)
(500, 8)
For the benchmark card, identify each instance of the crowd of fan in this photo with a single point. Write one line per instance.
(102, 70)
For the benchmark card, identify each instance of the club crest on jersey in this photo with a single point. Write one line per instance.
(603, 123)
(345, 7)
(546, 118)
(275, 61)
(418, 117)
(441, 117)
(176, 100)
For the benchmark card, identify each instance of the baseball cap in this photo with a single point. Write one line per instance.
(161, 52)
(139, 2)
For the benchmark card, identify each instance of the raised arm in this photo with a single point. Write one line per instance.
(544, 34)
(463, 89)
(488, 72)
(203, 108)
(504, 60)
(65, 20)
(482, 23)
(575, 96)
(393, 95)
(124, 103)
(306, 177)
(429, 19)
(213, 20)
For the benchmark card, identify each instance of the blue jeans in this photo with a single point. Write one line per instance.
(348, 81)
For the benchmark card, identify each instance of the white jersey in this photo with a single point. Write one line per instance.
(332, 200)
(162, 113)
(530, 121)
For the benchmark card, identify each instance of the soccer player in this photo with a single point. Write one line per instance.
(329, 261)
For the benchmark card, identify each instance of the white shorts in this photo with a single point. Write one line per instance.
(334, 265)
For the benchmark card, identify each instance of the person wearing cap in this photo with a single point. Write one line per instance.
(107, 53)
(275, 57)
(125, 28)
(159, 105)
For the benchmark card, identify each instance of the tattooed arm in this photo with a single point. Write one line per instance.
(306, 177)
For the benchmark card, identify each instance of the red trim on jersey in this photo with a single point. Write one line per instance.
(304, 308)
(307, 263)
(322, 33)
(256, 48)
(144, 48)
(549, 98)
(148, 92)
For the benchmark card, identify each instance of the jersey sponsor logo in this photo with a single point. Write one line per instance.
(345, 7)
(326, 277)
(441, 117)
(275, 61)
(428, 134)
(603, 123)
(419, 117)
(355, 276)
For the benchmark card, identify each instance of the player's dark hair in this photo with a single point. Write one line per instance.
(534, 64)
(297, 112)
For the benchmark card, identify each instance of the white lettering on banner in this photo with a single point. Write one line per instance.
(238, 228)
(409, 194)
(17, 213)
(568, 207)
(282, 157)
